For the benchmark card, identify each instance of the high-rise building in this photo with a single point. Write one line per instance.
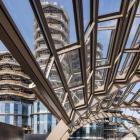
(15, 96)
(58, 21)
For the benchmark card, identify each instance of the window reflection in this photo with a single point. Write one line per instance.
(105, 6)
(42, 120)
(13, 112)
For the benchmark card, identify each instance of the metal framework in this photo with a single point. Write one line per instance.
(119, 74)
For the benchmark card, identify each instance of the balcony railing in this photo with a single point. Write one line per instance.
(9, 62)
(59, 19)
(41, 47)
(13, 72)
(17, 93)
(14, 83)
(57, 28)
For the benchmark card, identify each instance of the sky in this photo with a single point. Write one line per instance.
(22, 14)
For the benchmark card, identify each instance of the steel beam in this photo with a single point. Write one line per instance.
(93, 42)
(78, 13)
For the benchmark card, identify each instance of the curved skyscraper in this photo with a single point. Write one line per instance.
(58, 23)
(15, 96)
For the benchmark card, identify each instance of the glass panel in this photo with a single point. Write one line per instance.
(2, 47)
(109, 6)
(60, 93)
(54, 78)
(101, 61)
(78, 97)
(67, 107)
(29, 29)
(73, 68)
(103, 38)
(129, 97)
(122, 61)
(66, 65)
(136, 87)
(125, 64)
(100, 79)
(133, 38)
(75, 80)
(60, 18)
(109, 23)
(56, 82)
(86, 12)
(23, 20)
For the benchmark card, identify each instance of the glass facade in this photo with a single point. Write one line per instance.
(92, 130)
(42, 120)
(107, 128)
(15, 113)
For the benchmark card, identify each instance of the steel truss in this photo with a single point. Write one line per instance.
(114, 80)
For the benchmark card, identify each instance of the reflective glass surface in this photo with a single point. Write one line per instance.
(109, 6)
(42, 120)
(13, 112)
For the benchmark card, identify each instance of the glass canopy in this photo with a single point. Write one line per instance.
(91, 62)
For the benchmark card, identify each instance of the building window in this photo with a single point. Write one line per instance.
(16, 108)
(49, 120)
(7, 108)
(7, 119)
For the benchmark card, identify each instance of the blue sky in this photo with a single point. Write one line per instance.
(22, 14)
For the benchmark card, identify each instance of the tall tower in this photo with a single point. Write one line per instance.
(58, 22)
(15, 96)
